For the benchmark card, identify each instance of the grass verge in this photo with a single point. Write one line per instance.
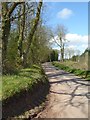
(78, 72)
(26, 79)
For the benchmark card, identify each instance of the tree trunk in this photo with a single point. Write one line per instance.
(21, 34)
(32, 31)
(5, 31)
(6, 25)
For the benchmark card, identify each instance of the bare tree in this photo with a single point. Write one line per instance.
(60, 40)
(70, 52)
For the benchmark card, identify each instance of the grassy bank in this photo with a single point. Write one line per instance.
(24, 80)
(70, 68)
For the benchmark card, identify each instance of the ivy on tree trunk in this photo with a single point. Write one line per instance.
(32, 31)
(6, 25)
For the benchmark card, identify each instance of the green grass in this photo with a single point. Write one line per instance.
(77, 65)
(25, 80)
(78, 72)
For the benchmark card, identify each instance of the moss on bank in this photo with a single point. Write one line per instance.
(24, 92)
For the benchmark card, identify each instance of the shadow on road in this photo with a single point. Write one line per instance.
(75, 80)
(68, 93)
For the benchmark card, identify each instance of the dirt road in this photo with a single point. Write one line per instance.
(68, 95)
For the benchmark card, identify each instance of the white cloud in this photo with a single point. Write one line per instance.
(72, 47)
(76, 42)
(65, 13)
(79, 42)
(77, 39)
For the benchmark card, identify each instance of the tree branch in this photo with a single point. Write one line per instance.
(13, 7)
(16, 17)
(56, 41)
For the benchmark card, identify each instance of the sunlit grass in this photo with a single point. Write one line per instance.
(70, 68)
(26, 78)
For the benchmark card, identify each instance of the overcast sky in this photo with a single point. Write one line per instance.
(74, 15)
